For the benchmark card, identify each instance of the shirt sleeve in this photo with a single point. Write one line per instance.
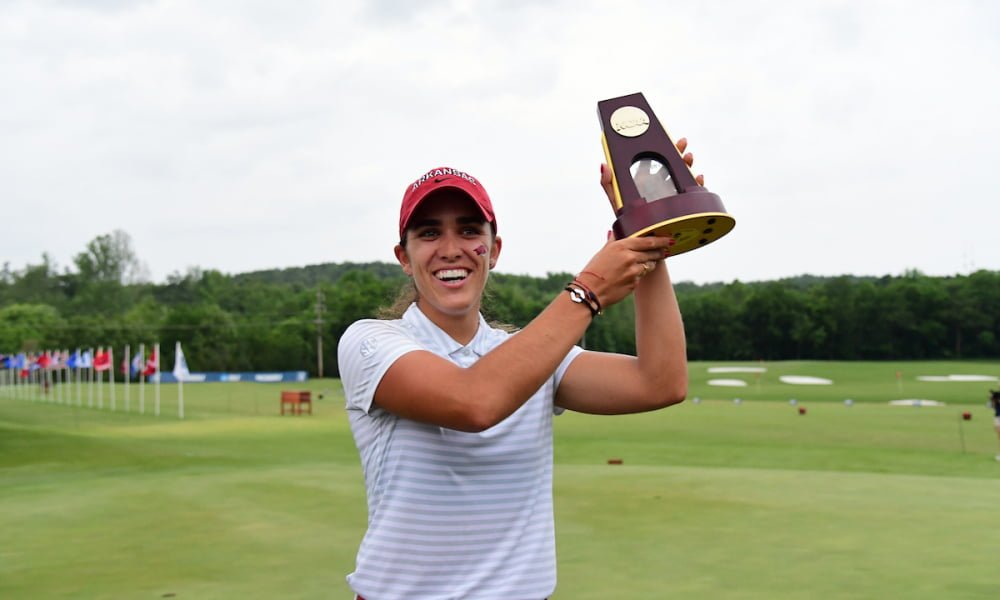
(365, 352)
(560, 371)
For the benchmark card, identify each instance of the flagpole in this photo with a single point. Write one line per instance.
(50, 377)
(62, 376)
(47, 383)
(75, 374)
(79, 379)
(31, 381)
(179, 374)
(127, 375)
(100, 380)
(68, 392)
(43, 378)
(90, 379)
(142, 379)
(111, 375)
(156, 349)
(33, 378)
(62, 379)
(56, 374)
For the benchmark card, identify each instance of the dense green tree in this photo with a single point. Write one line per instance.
(108, 258)
(275, 319)
(29, 327)
(208, 335)
(714, 324)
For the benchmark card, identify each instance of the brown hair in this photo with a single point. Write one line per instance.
(407, 295)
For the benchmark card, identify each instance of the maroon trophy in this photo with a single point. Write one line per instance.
(655, 192)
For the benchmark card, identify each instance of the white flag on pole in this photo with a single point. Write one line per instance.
(181, 371)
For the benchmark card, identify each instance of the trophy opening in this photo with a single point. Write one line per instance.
(652, 178)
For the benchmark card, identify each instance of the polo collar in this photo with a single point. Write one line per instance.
(437, 340)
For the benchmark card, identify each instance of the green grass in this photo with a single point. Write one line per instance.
(714, 499)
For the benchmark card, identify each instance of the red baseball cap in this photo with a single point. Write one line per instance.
(443, 178)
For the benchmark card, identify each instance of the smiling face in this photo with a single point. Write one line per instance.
(449, 250)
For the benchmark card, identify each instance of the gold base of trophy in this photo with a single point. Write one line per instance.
(694, 219)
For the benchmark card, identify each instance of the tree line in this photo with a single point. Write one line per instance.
(273, 320)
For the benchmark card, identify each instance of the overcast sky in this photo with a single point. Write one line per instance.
(844, 137)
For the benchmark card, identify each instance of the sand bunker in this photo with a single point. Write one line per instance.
(727, 382)
(957, 378)
(804, 380)
(915, 402)
(737, 369)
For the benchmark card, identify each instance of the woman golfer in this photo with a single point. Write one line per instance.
(453, 418)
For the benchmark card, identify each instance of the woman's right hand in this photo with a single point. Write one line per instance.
(616, 269)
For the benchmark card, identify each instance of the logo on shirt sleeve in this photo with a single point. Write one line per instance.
(368, 347)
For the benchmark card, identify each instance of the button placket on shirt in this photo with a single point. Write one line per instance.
(464, 357)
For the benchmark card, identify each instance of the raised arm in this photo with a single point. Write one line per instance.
(424, 387)
(603, 383)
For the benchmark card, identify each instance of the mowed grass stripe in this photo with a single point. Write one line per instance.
(247, 533)
(862, 438)
(681, 532)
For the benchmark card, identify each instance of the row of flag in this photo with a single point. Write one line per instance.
(54, 372)
(100, 360)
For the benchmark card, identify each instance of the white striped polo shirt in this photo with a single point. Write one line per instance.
(450, 514)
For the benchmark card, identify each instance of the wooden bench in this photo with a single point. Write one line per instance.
(296, 401)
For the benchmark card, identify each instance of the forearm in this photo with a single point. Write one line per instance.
(518, 367)
(661, 349)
